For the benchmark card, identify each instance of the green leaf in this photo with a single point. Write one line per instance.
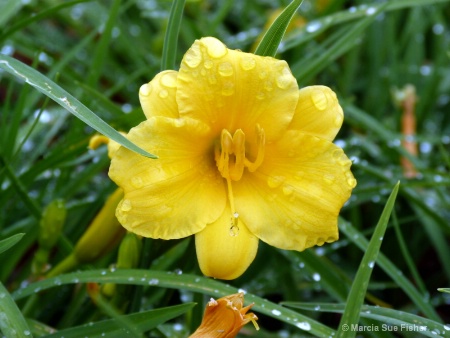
(142, 321)
(358, 291)
(188, 282)
(171, 38)
(10, 242)
(389, 318)
(66, 100)
(271, 40)
(12, 322)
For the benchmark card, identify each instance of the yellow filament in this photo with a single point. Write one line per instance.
(231, 160)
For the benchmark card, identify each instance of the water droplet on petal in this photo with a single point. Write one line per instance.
(275, 181)
(215, 48)
(145, 89)
(329, 178)
(137, 182)
(193, 56)
(208, 64)
(228, 88)
(285, 79)
(351, 182)
(319, 99)
(163, 94)
(169, 80)
(126, 205)
(226, 69)
(268, 85)
(260, 96)
(288, 190)
(262, 75)
(248, 63)
(338, 120)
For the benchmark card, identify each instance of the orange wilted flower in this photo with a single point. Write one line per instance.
(225, 317)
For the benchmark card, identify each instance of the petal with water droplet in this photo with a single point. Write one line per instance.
(224, 255)
(228, 91)
(305, 210)
(161, 194)
(318, 112)
(158, 96)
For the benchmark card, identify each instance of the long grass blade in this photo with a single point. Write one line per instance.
(66, 100)
(171, 38)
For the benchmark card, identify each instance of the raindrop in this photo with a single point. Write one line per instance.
(371, 11)
(177, 327)
(285, 79)
(228, 88)
(153, 281)
(304, 326)
(371, 264)
(208, 64)
(248, 63)
(137, 182)
(394, 143)
(103, 272)
(445, 139)
(313, 26)
(316, 276)
(216, 48)
(226, 69)
(127, 108)
(438, 29)
(275, 181)
(193, 56)
(425, 147)
(351, 182)
(425, 70)
(26, 333)
(7, 50)
(352, 9)
(2, 295)
(145, 89)
(301, 265)
(317, 308)
(276, 312)
(126, 205)
(319, 99)
(242, 291)
(163, 93)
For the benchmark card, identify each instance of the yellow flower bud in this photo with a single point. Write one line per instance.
(225, 317)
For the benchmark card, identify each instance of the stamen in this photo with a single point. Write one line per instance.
(232, 167)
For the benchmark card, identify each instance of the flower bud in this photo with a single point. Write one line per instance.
(225, 317)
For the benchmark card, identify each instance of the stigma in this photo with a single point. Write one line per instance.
(231, 157)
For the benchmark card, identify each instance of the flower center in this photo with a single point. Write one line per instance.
(231, 159)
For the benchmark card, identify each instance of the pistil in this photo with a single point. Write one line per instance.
(231, 161)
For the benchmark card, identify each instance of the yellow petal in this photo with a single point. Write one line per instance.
(158, 96)
(223, 252)
(318, 112)
(176, 195)
(230, 89)
(293, 200)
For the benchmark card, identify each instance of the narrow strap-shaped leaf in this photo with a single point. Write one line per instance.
(12, 322)
(66, 100)
(142, 321)
(102, 47)
(171, 37)
(358, 291)
(194, 283)
(9, 242)
(389, 320)
(271, 40)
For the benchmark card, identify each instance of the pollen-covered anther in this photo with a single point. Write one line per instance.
(231, 157)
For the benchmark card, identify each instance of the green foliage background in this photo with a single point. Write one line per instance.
(100, 52)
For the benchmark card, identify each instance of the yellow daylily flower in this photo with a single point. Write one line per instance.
(244, 155)
(225, 317)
